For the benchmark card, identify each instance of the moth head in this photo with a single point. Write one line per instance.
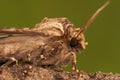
(77, 40)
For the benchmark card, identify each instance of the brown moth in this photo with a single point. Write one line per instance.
(53, 42)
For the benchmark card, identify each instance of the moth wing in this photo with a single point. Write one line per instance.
(14, 42)
(53, 26)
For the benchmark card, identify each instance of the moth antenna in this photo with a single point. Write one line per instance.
(83, 29)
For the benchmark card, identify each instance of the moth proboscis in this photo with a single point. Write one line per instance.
(53, 42)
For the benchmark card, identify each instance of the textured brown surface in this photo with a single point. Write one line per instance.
(30, 72)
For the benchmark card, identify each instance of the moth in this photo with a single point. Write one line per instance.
(53, 42)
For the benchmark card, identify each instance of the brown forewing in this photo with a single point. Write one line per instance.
(45, 44)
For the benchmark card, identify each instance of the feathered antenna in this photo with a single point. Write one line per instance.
(83, 29)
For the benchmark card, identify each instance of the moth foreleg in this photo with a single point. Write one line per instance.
(74, 67)
(72, 57)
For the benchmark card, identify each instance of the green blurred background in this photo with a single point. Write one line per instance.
(103, 51)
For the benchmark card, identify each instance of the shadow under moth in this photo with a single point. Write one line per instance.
(52, 42)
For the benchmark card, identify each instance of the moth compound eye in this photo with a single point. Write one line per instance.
(74, 42)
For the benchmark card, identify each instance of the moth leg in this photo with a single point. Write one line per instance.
(74, 67)
(73, 56)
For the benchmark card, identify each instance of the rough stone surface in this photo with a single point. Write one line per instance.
(31, 72)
